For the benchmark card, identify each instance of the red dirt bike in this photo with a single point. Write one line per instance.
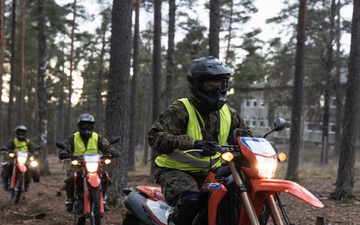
(15, 170)
(242, 191)
(89, 182)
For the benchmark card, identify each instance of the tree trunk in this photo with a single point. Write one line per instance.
(337, 84)
(133, 95)
(170, 53)
(117, 107)
(71, 68)
(214, 30)
(293, 164)
(13, 74)
(21, 112)
(345, 177)
(227, 54)
(2, 53)
(156, 68)
(42, 96)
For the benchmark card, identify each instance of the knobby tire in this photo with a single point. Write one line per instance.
(16, 192)
(95, 217)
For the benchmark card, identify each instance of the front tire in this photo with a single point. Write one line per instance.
(36, 176)
(95, 214)
(79, 216)
(16, 192)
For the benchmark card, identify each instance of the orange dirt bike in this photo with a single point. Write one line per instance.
(242, 191)
(19, 165)
(90, 181)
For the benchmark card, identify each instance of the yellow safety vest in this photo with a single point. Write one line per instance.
(79, 147)
(20, 145)
(195, 162)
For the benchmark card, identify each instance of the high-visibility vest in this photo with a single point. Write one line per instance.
(79, 146)
(195, 162)
(20, 145)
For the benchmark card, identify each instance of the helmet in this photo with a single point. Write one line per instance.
(20, 132)
(208, 81)
(86, 125)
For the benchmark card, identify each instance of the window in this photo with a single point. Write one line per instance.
(333, 102)
(332, 128)
(254, 103)
(262, 103)
(261, 122)
(313, 127)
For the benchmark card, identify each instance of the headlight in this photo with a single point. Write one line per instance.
(92, 167)
(34, 163)
(107, 161)
(21, 159)
(75, 162)
(266, 166)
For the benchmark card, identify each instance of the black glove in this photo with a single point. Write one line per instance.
(63, 154)
(184, 142)
(208, 147)
(115, 153)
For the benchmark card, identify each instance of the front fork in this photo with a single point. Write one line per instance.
(95, 179)
(248, 205)
(22, 169)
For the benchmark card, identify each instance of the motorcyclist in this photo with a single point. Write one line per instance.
(84, 141)
(19, 143)
(204, 115)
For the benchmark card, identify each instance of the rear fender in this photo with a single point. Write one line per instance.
(262, 188)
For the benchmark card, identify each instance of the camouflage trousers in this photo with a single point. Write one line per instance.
(175, 182)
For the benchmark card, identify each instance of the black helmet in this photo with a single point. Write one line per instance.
(20, 132)
(86, 125)
(208, 81)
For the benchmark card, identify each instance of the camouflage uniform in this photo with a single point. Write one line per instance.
(174, 121)
(103, 146)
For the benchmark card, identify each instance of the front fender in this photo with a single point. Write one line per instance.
(272, 186)
(93, 179)
(22, 168)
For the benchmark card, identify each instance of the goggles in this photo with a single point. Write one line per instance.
(212, 85)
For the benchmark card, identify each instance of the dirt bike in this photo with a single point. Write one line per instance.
(15, 169)
(89, 183)
(242, 191)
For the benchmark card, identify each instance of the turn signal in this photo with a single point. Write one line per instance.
(281, 157)
(227, 156)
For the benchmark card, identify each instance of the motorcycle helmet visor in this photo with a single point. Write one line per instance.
(213, 85)
(21, 132)
(86, 126)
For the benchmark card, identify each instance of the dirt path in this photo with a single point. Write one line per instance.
(44, 203)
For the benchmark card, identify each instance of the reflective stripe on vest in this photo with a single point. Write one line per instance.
(195, 162)
(79, 146)
(20, 145)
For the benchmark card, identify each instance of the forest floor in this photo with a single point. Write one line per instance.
(43, 204)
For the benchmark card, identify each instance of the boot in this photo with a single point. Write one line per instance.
(106, 207)
(69, 204)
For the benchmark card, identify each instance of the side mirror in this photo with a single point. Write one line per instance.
(114, 140)
(279, 124)
(60, 145)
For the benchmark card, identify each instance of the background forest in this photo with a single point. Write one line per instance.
(53, 70)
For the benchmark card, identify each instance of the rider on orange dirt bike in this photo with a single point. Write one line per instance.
(84, 139)
(19, 143)
(203, 116)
